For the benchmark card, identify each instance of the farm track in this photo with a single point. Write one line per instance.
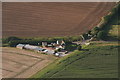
(52, 19)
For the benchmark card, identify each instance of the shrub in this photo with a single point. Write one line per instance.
(12, 38)
(85, 36)
(15, 42)
(107, 19)
(95, 30)
(101, 35)
(79, 47)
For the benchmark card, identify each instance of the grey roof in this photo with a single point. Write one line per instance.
(38, 49)
(31, 47)
(20, 45)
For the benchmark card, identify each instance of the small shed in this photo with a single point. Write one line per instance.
(20, 46)
(60, 42)
(44, 44)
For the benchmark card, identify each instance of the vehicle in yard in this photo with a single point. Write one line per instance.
(44, 50)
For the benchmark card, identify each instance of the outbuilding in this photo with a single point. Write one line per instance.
(20, 46)
(30, 47)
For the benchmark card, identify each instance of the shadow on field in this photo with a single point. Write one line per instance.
(84, 49)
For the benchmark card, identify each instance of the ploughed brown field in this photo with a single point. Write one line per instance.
(27, 19)
(19, 63)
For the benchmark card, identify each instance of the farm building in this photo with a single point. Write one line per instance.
(30, 47)
(60, 42)
(57, 45)
(20, 46)
(35, 48)
(46, 48)
(44, 44)
(38, 49)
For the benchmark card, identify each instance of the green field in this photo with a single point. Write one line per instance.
(94, 61)
(115, 31)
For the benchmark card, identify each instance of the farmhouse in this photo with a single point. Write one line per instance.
(60, 42)
(57, 48)
(57, 45)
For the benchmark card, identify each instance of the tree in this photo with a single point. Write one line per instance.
(89, 32)
(101, 35)
(79, 47)
(12, 38)
(59, 49)
(9, 39)
(85, 36)
(95, 30)
(56, 51)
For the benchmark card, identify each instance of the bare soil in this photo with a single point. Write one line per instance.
(52, 19)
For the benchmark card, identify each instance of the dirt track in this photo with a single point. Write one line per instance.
(18, 63)
(52, 19)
